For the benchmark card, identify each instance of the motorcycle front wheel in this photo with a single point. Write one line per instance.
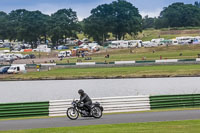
(72, 113)
(96, 112)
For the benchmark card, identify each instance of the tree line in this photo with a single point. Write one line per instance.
(175, 15)
(119, 18)
(34, 26)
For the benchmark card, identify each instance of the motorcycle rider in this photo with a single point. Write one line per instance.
(85, 99)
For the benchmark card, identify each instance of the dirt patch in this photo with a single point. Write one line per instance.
(179, 32)
(9, 78)
(36, 61)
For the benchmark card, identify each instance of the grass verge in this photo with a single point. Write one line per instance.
(113, 72)
(187, 126)
(154, 53)
(155, 110)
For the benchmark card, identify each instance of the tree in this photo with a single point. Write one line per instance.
(28, 26)
(180, 15)
(35, 24)
(15, 26)
(99, 23)
(197, 4)
(3, 25)
(126, 19)
(148, 22)
(161, 23)
(63, 24)
(120, 17)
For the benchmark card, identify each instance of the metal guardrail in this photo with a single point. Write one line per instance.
(12, 110)
(131, 62)
(152, 62)
(174, 101)
(110, 104)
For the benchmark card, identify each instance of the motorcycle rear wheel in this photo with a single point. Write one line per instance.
(72, 113)
(96, 112)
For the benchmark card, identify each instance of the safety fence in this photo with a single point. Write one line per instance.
(110, 104)
(12, 110)
(127, 62)
(164, 61)
(175, 101)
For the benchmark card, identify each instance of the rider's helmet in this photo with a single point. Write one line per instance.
(81, 92)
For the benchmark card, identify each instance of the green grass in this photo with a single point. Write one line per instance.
(172, 52)
(187, 126)
(149, 34)
(4, 49)
(114, 72)
(131, 112)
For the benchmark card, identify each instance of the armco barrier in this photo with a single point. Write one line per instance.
(110, 104)
(119, 62)
(100, 63)
(124, 62)
(67, 64)
(31, 65)
(146, 61)
(86, 63)
(197, 59)
(166, 61)
(174, 101)
(181, 60)
(12, 110)
(49, 64)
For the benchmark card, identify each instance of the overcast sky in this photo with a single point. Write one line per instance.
(83, 7)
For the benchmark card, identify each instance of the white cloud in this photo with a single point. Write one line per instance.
(46, 8)
(154, 13)
(83, 10)
(52, 8)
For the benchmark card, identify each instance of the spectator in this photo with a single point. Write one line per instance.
(107, 56)
(82, 54)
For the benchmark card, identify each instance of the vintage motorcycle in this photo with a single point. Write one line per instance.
(79, 108)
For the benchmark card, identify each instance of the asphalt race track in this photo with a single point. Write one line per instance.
(106, 119)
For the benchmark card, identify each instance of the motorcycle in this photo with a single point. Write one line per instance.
(79, 109)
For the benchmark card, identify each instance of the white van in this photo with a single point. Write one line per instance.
(63, 54)
(1, 42)
(119, 44)
(17, 69)
(134, 43)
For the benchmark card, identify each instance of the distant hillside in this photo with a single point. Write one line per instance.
(149, 34)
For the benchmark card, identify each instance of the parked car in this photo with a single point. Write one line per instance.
(16, 69)
(4, 69)
(62, 47)
(9, 58)
(6, 45)
(63, 54)
(1, 42)
(26, 56)
(19, 56)
(2, 59)
(32, 56)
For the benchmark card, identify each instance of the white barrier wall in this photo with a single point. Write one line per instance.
(48, 64)
(110, 104)
(124, 62)
(86, 63)
(166, 61)
(197, 59)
